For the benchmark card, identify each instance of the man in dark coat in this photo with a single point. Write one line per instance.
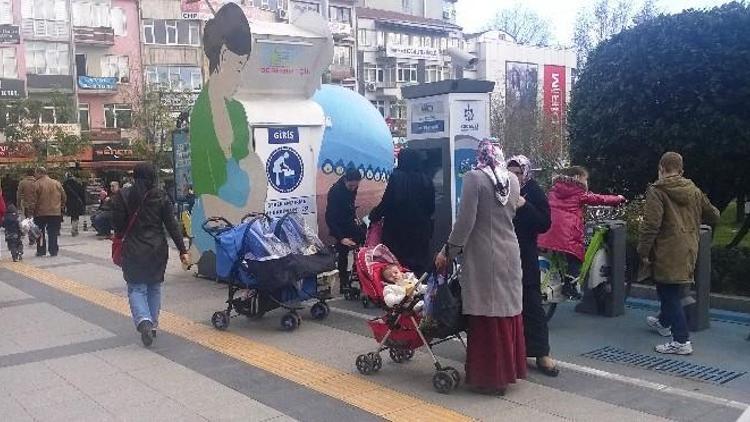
(407, 208)
(532, 219)
(75, 205)
(341, 218)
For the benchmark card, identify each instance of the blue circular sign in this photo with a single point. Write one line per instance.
(284, 169)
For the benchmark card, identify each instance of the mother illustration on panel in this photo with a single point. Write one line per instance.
(229, 177)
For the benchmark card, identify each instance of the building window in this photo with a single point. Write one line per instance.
(406, 72)
(443, 43)
(45, 10)
(362, 38)
(171, 28)
(116, 67)
(380, 38)
(6, 12)
(148, 31)
(342, 55)
(380, 105)
(84, 117)
(175, 78)
(265, 4)
(398, 110)
(171, 32)
(8, 63)
(340, 14)
(48, 115)
(118, 116)
(119, 22)
(92, 13)
(47, 58)
(437, 73)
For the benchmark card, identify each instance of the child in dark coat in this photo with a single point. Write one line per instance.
(13, 234)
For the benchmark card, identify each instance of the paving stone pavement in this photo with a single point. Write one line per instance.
(65, 359)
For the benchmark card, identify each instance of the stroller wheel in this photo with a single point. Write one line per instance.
(443, 382)
(354, 293)
(365, 302)
(347, 295)
(290, 322)
(454, 374)
(400, 355)
(364, 366)
(376, 360)
(320, 311)
(220, 320)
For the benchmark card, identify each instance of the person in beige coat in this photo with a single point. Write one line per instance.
(26, 192)
(48, 203)
(491, 286)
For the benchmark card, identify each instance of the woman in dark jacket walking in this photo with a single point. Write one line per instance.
(145, 251)
(75, 203)
(531, 220)
(407, 207)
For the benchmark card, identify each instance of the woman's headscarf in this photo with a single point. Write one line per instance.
(491, 161)
(524, 163)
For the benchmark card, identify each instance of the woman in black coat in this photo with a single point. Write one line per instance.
(75, 202)
(147, 210)
(531, 220)
(406, 209)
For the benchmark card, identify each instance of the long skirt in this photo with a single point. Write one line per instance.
(496, 352)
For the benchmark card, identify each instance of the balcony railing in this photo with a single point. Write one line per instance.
(101, 35)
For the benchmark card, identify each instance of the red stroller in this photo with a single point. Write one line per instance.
(398, 330)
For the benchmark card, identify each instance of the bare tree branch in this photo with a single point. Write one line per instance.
(525, 25)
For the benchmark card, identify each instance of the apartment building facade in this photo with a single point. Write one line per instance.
(342, 20)
(107, 67)
(396, 49)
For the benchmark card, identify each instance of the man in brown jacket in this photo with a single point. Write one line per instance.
(26, 192)
(668, 246)
(48, 203)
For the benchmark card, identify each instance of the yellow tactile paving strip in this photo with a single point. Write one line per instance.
(348, 388)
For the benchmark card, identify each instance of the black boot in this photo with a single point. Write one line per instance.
(146, 329)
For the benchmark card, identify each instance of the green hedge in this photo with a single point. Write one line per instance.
(730, 270)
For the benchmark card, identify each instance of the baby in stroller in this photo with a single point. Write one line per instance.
(401, 287)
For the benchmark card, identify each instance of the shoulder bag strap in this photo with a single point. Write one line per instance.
(131, 220)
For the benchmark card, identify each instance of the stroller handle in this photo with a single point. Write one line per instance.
(213, 224)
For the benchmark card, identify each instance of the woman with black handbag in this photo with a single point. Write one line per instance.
(140, 214)
(491, 286)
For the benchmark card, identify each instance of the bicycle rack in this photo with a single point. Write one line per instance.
(614, 300)
(698, 312)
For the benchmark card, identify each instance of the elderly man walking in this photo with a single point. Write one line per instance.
(48, 203)
(668, 246)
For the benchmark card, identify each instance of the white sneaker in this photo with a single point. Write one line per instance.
(675, 348)
(654, 323)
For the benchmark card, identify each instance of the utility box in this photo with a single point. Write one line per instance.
(447, 120)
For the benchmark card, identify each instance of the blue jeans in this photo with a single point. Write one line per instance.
(145, 302)
(672, 313)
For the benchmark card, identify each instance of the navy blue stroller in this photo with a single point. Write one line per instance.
(267, 264)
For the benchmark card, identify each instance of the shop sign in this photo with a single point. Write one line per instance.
(411, 52)
(9, 34)
(11, 89)
(113, 152)
(97, 83)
